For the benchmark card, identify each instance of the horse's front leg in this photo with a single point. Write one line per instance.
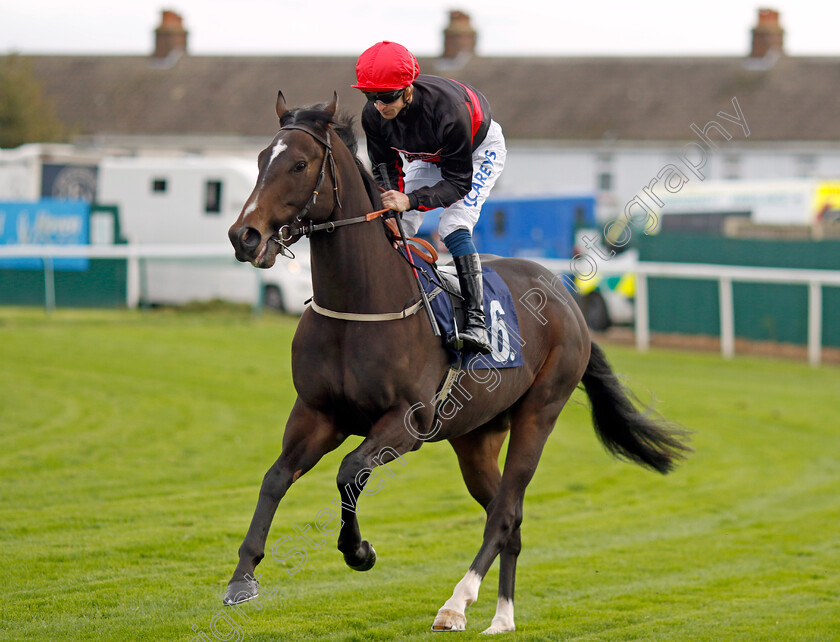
(309, 436)
(387, 441)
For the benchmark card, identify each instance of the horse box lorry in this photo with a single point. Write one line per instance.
(549, 229)
(193, 201)
(177, 201)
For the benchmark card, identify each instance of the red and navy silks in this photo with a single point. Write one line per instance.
(444, 124)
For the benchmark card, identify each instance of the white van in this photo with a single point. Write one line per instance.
(193, 201)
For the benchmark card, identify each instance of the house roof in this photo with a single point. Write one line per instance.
(570, 98)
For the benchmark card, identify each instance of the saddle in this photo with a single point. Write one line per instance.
(449, 281)
(445, 277)
(450, 313)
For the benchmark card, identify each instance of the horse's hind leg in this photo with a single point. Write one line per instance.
(308, 437)
(532, 421)
(478, 456)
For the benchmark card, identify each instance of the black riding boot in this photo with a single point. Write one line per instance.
(474, 335)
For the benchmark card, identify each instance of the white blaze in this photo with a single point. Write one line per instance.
(250, 208)
(279, 148)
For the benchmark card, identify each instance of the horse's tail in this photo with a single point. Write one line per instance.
(627, 433)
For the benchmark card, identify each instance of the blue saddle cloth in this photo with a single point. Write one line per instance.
(499, 311)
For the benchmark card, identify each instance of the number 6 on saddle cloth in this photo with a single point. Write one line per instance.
(502, 321)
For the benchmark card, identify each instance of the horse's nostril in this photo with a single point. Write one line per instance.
(250, 238)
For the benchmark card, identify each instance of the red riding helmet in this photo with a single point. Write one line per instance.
(387, 66)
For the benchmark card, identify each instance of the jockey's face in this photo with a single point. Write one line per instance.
(390, 111)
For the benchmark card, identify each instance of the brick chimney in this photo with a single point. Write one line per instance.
(768, 35)
(170, 36)
(459, 37)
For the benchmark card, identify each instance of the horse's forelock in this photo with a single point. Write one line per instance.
(317, 116)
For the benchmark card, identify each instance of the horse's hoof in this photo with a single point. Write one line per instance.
(368, 558)
(239, 591)
(447, 620)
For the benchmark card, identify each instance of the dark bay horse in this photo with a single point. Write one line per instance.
(377, 378)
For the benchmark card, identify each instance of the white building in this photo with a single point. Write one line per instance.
(604, 125)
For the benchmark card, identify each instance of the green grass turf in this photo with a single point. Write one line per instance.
(132, 447)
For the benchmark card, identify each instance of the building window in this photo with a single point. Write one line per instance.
(605, 173)
(806, 165)
(605, 181)
(731, 167)
(159, 185)
(213, 197)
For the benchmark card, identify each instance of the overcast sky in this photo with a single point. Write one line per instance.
(505, 27)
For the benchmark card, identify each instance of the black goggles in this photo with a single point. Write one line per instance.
(384, 97)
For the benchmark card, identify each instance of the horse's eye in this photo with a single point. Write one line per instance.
(299, 167)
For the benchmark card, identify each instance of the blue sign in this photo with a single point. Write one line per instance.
(45, 222)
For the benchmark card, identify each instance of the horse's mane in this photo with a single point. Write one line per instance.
(344, 125)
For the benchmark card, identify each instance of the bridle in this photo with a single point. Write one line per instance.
(287, 233)
(306, 227)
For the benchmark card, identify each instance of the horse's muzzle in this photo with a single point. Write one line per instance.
(246, 241)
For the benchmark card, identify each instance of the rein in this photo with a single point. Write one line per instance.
(287, 233)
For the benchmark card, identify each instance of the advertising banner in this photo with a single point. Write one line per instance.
(44, 222)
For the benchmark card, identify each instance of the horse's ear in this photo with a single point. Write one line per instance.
(281, 105)
(333, 105)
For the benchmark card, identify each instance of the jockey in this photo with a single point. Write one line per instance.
(453, 150)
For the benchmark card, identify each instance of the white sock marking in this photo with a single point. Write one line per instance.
(465, 593)
(503, 620)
